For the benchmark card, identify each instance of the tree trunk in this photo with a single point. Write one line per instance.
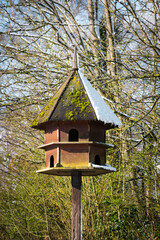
(111, 70)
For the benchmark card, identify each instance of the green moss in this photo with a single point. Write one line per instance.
(84, 106)
(34, 123)
(49, 105)
(77, 83)
(70, 115)
(46, 109)
(73, 104)
(59, 165)
(75, 101)
(41, 114)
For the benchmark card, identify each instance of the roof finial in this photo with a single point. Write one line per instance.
(75, 67)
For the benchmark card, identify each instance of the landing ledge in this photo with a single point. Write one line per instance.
(106, 145)
(94, 170)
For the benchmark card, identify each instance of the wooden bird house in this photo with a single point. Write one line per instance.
(75, 121)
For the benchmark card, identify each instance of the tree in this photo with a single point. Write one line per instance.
(118, 45)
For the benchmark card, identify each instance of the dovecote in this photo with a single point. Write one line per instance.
(75, 121)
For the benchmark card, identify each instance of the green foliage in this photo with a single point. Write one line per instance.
(35, 206)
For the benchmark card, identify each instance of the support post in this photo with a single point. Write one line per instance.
(76, 206)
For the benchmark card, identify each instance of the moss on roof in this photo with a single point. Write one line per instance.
(69, 103)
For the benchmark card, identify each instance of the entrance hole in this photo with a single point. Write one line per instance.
(73, 135)
(52, 161)
(97, 160)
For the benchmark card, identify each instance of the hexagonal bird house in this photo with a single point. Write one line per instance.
(75, 121)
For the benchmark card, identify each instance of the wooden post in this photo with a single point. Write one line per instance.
(76, 206)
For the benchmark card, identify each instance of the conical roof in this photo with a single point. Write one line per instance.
(76, 100)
